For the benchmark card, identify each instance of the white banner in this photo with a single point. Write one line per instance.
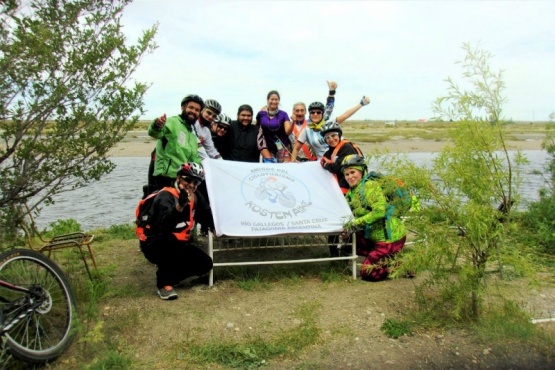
(262, 199)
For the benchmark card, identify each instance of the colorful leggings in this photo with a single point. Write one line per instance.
(377, 255)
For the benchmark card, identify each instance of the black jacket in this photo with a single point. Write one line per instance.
(165, 217)
(245, 142)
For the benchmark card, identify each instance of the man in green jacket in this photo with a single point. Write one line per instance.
(177, 142)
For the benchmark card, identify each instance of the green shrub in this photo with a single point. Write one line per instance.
(125, 232)
(539, 219)
(60, 227)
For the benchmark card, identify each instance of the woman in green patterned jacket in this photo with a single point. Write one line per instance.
(379, 236)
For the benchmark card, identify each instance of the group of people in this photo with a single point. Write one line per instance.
(202, 131)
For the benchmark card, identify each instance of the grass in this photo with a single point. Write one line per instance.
(116, 308)
(509, 325)
(396, 328)
(254, 351)
(377, 132)
(431, 130)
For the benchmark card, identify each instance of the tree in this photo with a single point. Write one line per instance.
(66, 98)
(483, 100)
(469, 190)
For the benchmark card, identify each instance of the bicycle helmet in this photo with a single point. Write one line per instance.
(331, 126)
(191, 169)
(316, 106)
(223, 119)
(213, 104)
(353, 160)
(193, 98)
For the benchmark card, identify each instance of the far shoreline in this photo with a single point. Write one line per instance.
(142, 146)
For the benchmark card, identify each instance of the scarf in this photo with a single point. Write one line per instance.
(316, 126)
(272, 112)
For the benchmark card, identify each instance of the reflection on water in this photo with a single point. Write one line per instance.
(112, 200)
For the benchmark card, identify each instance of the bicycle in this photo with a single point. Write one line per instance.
(37, 307)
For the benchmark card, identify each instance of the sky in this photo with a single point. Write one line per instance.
(398, 53)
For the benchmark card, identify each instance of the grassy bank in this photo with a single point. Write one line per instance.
(307, 316)
(375, 131)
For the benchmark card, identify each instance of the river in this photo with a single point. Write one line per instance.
(113, 199)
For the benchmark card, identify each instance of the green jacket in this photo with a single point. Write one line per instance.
(370, 213)
(177, 144)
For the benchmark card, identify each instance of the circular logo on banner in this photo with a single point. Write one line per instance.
(273, 192)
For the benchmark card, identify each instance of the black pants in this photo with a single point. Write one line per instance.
(151, 185)
(334, 241)
(202, 191)
(176, 260)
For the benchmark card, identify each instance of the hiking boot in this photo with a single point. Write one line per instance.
(167, 293)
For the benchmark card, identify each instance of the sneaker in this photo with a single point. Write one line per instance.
(167, 293)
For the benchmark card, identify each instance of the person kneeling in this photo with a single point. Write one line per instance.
(168, 244)
(378, 237)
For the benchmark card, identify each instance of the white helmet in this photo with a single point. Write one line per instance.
(223, 119)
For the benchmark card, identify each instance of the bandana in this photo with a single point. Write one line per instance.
(360, 168)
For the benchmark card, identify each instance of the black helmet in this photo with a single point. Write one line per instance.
(193, 98)
(223, 119)
(214, 105)
(330, 126)
(191, 169)
(316, 106)
(352, 160)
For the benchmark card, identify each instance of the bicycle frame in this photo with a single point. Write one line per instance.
(15, 306)
(37, 306)
(5, 284)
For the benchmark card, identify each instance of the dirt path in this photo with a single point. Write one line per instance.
(346, 317)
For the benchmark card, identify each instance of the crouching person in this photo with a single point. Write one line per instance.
(378, 236)
(168, 244)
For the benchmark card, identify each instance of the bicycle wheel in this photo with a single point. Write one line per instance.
(43, 332)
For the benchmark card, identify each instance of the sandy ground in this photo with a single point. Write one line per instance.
(139, 144)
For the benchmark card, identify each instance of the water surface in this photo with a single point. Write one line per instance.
(113, 199)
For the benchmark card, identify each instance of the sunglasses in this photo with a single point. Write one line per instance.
(223, 128)
(329, 136)
(191, 180)
(211, 114)
(315, 112)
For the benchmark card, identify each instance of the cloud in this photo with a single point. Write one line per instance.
(397, 52)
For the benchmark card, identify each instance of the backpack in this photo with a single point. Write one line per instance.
(143, 213)
(399, 198)
(341, 143)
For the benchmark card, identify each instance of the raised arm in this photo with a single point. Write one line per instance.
(155, 128)
(330, 101)
(349, 112)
